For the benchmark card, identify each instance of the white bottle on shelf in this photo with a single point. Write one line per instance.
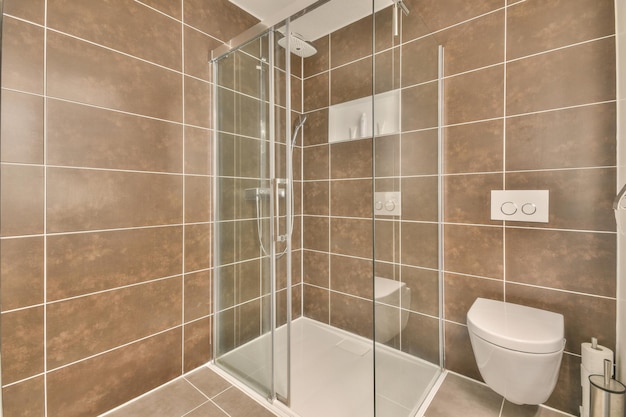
(363, 125)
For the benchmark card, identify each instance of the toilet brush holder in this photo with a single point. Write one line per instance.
(607, 394)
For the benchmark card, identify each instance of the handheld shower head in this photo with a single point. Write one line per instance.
(298, 127)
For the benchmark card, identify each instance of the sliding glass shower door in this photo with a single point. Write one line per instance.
(250, 225)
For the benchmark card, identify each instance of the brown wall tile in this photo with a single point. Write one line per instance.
(424, 286)
(198, 346)
(316, 233)
(316, 127)
(476, 95)
(21, 271)
(387, 71)
(22, 344)
(351, 198)
(108, 79)
(347, 44)
(198, 102)
(198, 290)
(198, 247)
(26, 398)
(438, 16)
(545, 81)
(22, 128)
(474, 250)
(352, 314)
(85, 263)
(351, 82)
(351, 276)
(420, 61)
(240, 157)
(351, 237)
(458, 351)
(351, 159)
(419, 153)
(170, 7)
(128, 27)
(476, 147)
(420, 338)
(110, 319)
(570, 209)
(573, 261)
(22, 200)
(94, 386)
(386, 156)
(319, 62)
(198, 195)
(315, 303)
(584, 314)
(315, 197)
(198, 151)
(247, 319)
(316, 92)
(316, 162)
(198, 47)
(537, 26)
(87, 200)
(316, 268)
(468, 197)
(85, 136)
(419, 107)
(570, 138)
(238, 241)
(22, 56)
(219, 18)
(420, 198)
(461, 291)
(419, 244)
(386, 240)
(383, 29)
(474, 44)
(32, 10)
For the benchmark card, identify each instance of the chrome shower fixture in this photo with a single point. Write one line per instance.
(398, 4)
(298, 46)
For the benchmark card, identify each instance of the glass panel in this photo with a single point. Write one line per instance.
(243, 303)
(332, 350)
(406, 212)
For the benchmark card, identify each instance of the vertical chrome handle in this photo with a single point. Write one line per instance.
(278, 193)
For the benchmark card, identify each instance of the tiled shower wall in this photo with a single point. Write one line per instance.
(529, 104)
(106, 221)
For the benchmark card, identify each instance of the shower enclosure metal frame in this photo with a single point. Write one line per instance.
(274, 195)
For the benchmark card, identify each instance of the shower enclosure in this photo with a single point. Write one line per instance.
(328, 211)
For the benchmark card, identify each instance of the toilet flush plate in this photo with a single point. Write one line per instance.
(520, 205)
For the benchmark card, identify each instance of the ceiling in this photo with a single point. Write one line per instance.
(319, 22)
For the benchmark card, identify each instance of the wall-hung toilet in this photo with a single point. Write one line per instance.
(390, 320)
(518, 349)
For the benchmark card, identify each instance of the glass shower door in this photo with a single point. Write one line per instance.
(248, 195)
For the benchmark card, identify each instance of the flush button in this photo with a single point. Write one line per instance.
(529, 208)
(520, 205)
(508, 208)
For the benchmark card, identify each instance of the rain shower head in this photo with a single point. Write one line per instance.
(298, 46)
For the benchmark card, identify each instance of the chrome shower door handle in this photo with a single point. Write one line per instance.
(278, 193)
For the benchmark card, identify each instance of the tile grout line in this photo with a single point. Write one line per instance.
(184, 196)
(504, 148)
(45, 210)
